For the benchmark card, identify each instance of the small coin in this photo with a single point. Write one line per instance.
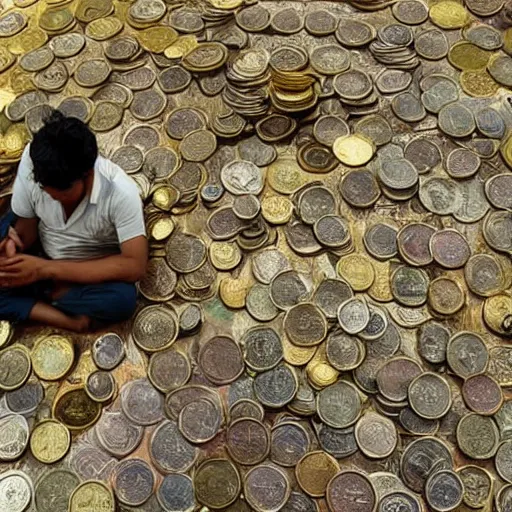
(108, 351)
(445, 296)
(88, 494)
(14, 434)
(330, 59)
(430, 396)
(496, 190)
(15, 367)
(254, 18)
(409, 286)
(133, 482)
(100, 386)
(342, 488)
(330, 294)
(456, 120)
(248, 441)
(176, 492)
(117, 435)
(155, 328)
(277, 387)
(410, 12)
(467, 354)
(52, 357)
(395, 376)
(353, 315)
(169, 370)
(141, 402)
(217, 483)
(15, 491)
(478, 484)
(482, 394)
(314, 471)
(53, 490)
(421, 458)
(477, 436)
(399, 174)
(339, 405)
(50, 441)
(490, 123)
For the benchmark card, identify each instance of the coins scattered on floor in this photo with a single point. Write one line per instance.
(325, 318)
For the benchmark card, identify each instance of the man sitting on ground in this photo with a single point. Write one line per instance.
(87, 216)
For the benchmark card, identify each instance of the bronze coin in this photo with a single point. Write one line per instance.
(482, 394)
(342, 488)
(394, 377)
(76, 410)
(414, 243)
(217, 483)
(220, 359)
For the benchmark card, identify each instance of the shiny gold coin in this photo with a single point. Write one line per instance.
(295, 355)
(506, 150)
(161, 229)
(26, 41)
(314, 471)
(449, 15)
(56, 19)
(357, 270)
(165, 197)
(234, 291)
(479, 84)
(6, 332)
(181, 46)
(276, 209)
(92, 496)
(156, 39)
(285, 176)
(52, 357)
(104, 28)
(225, 255)
(226, 4)
(353, 150)
(467, 56)
(380, 290)
(319, 370)
(50, 441)
(445, 296)
(497, 313)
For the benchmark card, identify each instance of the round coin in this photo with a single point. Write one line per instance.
(220, 359)
(344, 486)
(199, 421)
(133, 482)
(314, 472)
(290, 442)
(52, 357)
(53, 490)
(478, 484)
(467, 354)
(141, 402)
(395, 376)
(108, 351)
(430, 396)
(477, 436)
(14, 436)
(15, 490)
(117, 435)
(217, 483)
(89, 493)
(444, 490)
(247, 441)
(15, 367)
(376, 435)
(176, 492)
(482, 394)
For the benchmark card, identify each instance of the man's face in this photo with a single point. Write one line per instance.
(71, 195)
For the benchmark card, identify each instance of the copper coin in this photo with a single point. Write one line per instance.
(482, 394)
(217, 483)
(414, 243)
(248, 441)
(395, 376)
(314, 472)
(344, 486)
(221, 360)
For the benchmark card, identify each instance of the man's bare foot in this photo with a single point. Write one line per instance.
(48, 315)
(80, 323)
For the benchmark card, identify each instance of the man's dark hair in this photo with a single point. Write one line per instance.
(62, 151)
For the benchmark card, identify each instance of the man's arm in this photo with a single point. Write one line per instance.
(26, 230)
(129, 266)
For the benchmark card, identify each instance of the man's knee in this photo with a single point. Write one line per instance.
(15, 307)
(122, 299)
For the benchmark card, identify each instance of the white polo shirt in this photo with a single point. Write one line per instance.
(109, 216)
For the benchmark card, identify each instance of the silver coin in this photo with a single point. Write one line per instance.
(116, 434)
(200, 421)
(477, 436)
(376, 435)
(176, 493)
(398, 174)
(266, 488)
(330, 294)
(431, 44)
(100, 385)
(430, 396)
(432, 342)
(408, 107)
(380, 241)
(456, 120)
(392, 81)
(53, 490)
(344, 352)
(14, 434)
(290, 442)
(478, 484)
(339, 443)
(259, 304)
(277, 387)
(409, 286)
(287, 289)
(467, 354)
(497, 230)
(262, 348)
(403, 501)
(246, 408)
(26, 399)
(485, 37)
(490, 123)
(133, 482)
(417, 425)
(353, 315)
(142, 403)
(15, 491)
(299, 502)
(242, 177)
(377, 324)
(314, 203)
(339, 405)
(423, 154)
(332, 231)
(444, 490)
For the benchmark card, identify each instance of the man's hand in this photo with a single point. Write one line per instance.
(11, 244)
(21, 270)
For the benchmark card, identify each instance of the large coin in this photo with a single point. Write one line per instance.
(376, 435)
(339, 405)
(53, 490)
(478, 484)
(50, 441)
(52, 357)
(117, 435)
(133, 482)
(169, 370)
(482, 394)
(262, 348)
(221, 360)
(217, 483)
(141, 402)
(290, 442)
(26, 399)
(444, 490)
(15, 366)
(395, 376)
(200, 421)
(344, 486)
(456, 120)
(305, 325)
(15, 491)
(75, 409)
(477, 436)
(277, 387)
(430, 396)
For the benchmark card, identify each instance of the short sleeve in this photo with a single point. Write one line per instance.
(127, 213)
(21, 202)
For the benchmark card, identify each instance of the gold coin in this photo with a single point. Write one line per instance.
(449, 15)
(357, 270)
(506, 150)
(26, 41)
(295, 355)
(276, 209)
(479, 84)
(92, 496)
(6, 97)
(285, 176)
(507, 41)
(225, 255)
(165, 197)
(52, 357)
(181, 46)
(157, 39)
(20, 81)
(5, 332)
(321, 374)
(445, 296)
(50, 441)
(14, 140)
(314, 471)
(161, 229)
(226, 4)
(380, 290)
(353, 150)
(467, 56)
(74, 409)
(497, 313)
(104, 28)
(234, 291)
(7, 59)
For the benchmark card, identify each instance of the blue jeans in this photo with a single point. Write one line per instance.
(109, 302)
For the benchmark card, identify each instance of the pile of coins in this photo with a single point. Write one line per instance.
(325, 318)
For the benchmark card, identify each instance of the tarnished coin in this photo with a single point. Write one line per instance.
(52, 357)
(353, 315)
(248, 441)
(287, 21)
(499, 68)
(176, 492)
(352, 32)
(290, 442)
(408, 107)
(117, 435)
(92, 73)
(169, 370)
(148, 104)
(431, 44)
(205, 57)
(185, 252)
(277, 387)
(116, 93)
(343, 487)
(49, 441)
(430, 396)
(423, 154)
(330, 294)
(395, 376)
(339, 443)
(440, 195)
(478, 484)
(136, 79)
(328, 128)
(100, 386)
(259, 304)
(246, 408)
(410, 12)
(360, 188)
(490, 122)
(106, 116)
(462, 163)
(133, 482)
(344, 352)
(496, 191)
(421, 458)
(456, 120)
(496, 313)
(414, 243)
(314, 203)
(330, 59)
(253, 18)
(217, 483)
(314, 471)
(477, 436)
(14, 435)
(15, 491)
(108, 351)
(53, 490)
(287, 287)
(391, 81)
(12, 22)
(504, 497)
(75, 409)
(339, 405)
(89, 494)
(37, 60)
(320, 22)
(67, 45)
(199, 421)
(409, 286)
(397, 174)
(262, 348)
(53, 78)
(380, 241)
(467, 354)
(449, 248)
(15, 367)
(299, 502)
(482, 394)
(376, 435)
(353, 85)
(155, 328)
(266, 487)
(25, 399)
(220, 359)
(417, 425)
(444, 490)
(141, 402)
(446, 296)
(484, 275)
(169, 450)
(305, 324)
